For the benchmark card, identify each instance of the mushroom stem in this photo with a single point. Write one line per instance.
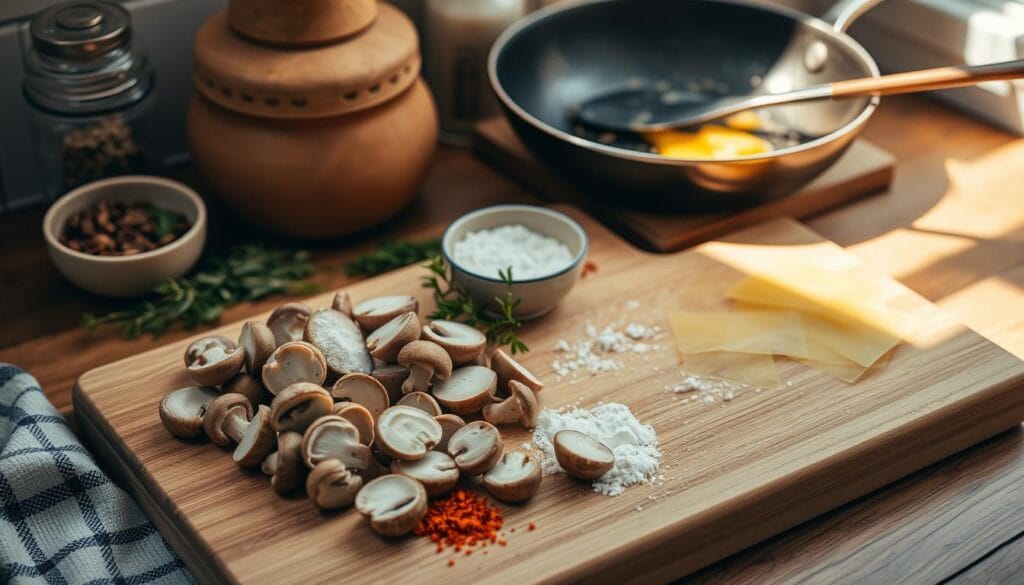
(419, 378)
(506, 411)
(269, 465)
(234, 427)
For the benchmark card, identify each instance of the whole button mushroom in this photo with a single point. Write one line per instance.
(182, 410)
(257, 441)
(514, 478)
(387, 340)
(258, 343)
(295, 361)
(227, 418)
(394, 503)
(288, 321)
(582, 456)
(509, 369)
(422, 401)
(362, 389)
(404, 432)
(358, 415)
(342, 303)
(426, 360)
(372, 313)
(468, 390)
(340, 341)
(247, 385)
(216, 363)
(436, 471)
(285, 465)
(331, 486)
(449, 424)
(298, 405)
(476, 447)
(392, 376)
(521, 407)
(332, 437)
(462, 342)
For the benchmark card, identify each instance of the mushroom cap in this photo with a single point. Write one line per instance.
(298, 405)
(362, 389)
(509, 369)
(427, 353)
(582, 456)
(462, 342)
(331, 486)
(476, 447)
(449, 424)
(358, 415)
(422, 401)
(285, 465)
(339, 340)
(295, 361)
(468, 389)
(332, 437)
(182, 410)
(514, 478)
(247, 385)
(372, 313)
(257, 341)
(217, 364)
(342, 303)
(521, 406)
(436, 471)
(387, 340)
(394, 503)
(222, 407)
(404, 432)
(288, 321)
(258, 440)
(391, 376)
(206, 342)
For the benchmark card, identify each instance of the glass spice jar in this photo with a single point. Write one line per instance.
(90, 85)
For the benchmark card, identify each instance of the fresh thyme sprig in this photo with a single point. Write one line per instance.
(392, 254)
(455, 304)
(245, 273)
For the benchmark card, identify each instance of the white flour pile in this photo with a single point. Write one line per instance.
(708, 390)
(635, 445)
(531, 255)
(596, 352)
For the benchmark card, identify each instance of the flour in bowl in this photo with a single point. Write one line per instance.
(530, 254)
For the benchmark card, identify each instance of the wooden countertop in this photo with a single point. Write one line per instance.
(951, 228)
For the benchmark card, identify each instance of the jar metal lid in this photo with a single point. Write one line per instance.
(80, 29)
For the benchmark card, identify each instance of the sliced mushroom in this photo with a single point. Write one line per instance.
(449, 424)
(387, 340)
(227, 418)
(362, 389)
(462, 342)
(372, 313)
(332, 437)
(422, 401)
(204, 343)
(436, 471)
(217, 364)
(521, 407)
(182, 410)
(331, 485)
(257, 341)
(342, 303)
(480, 360)
(394, 503)
(298, 405)
(358, 415)
(514, 478)
(476, 447)
(582, 456)
(404, 432)
(257, 441)
(285, 465)
(340, 340)
(295, 361)
(247, 385)
(509, 369)
(468, 389)
(426, 361)
(391, 376)
(288, 321)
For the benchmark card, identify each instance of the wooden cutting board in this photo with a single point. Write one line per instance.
(864, 169)
(734, 473)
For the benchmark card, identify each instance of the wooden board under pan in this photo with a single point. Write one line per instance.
(735, 472)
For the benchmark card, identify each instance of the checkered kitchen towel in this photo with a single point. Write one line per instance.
(61, 519)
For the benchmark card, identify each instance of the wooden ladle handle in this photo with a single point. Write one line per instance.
(928, 79)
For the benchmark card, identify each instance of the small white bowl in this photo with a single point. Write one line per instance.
(539, 295)
(127, 276)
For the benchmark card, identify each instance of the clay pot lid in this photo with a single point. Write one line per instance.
(269, 81)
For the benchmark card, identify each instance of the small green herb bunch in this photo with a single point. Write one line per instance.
(455, 304)
(392, 254)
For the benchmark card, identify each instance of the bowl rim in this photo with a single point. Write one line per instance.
(853, 126)
(180, 189)
(584, 238)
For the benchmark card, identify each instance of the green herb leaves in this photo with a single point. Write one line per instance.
(392, 254)
(246, 273)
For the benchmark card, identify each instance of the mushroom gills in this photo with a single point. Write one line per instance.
(182, 410)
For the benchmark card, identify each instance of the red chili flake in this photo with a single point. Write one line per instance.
(531, 526)
(461, 521)
(589, 267)
(451, 562)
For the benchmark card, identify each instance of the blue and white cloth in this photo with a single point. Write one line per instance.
(62, 520)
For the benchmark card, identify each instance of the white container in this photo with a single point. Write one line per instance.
(458, 37)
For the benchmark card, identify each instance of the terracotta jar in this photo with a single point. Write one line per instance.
(310, 118)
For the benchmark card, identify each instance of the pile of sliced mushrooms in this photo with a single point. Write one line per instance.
(375, 420)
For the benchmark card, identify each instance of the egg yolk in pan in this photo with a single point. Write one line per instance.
(712, 141)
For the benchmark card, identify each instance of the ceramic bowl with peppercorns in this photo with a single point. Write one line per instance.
(122, 236)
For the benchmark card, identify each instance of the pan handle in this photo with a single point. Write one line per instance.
(845, 12)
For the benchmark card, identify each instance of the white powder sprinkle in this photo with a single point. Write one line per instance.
(708, 389)
(635, 445)
(597, 351)
(531, 255)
